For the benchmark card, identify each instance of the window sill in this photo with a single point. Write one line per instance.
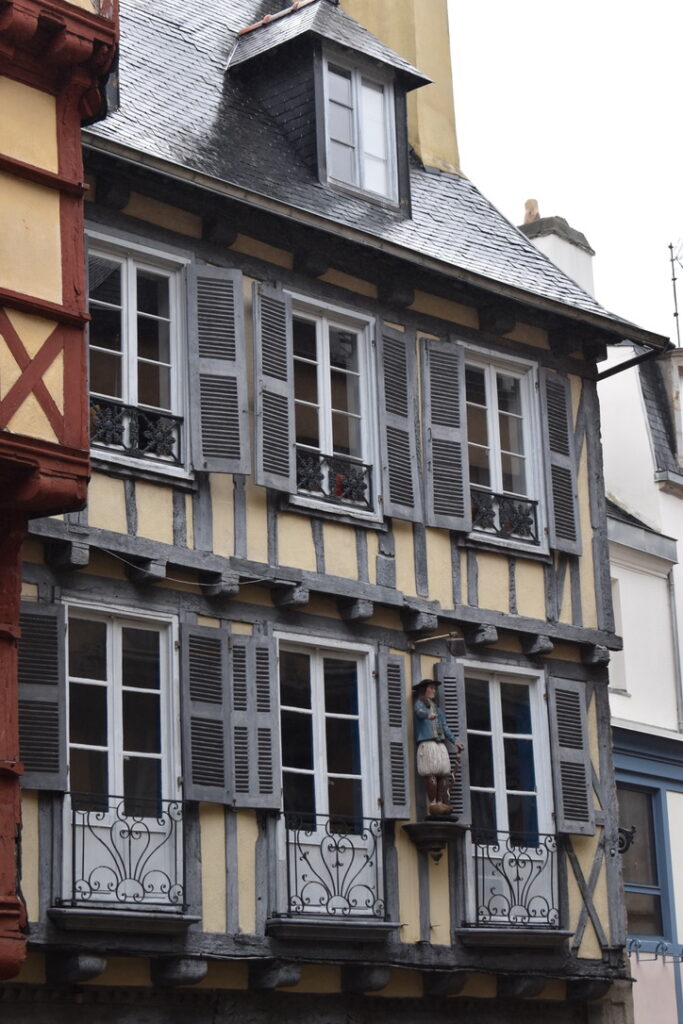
(102, 919)
(319, 929)
(390, 203)
(485, 542)
(513, 938)
(333, 513)
(134, 469)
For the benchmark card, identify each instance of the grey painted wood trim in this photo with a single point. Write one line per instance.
(202, 514)
(391, 886)
(420, 556)
(271, 517)
(608, 798)
(240, 512)
(193, 860)
(318, 545)
(562, 561)
(472, 578)
(455, 570)
(232, 865)
(512, 585)
(131, 507)
(550, 582)
(362, 555)
(575, 585)
(423, 896)
(179, 520)
(598, 506)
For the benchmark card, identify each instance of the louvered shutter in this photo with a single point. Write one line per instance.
(447, 469)
(561, 484)
(219, 418)
(42, 697)
(451, 695)
(275, 456)
(396, 361)
(255, 726)
(205, 718)
(574, 812)
(392, 706)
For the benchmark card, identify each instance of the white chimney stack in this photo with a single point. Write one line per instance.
(567, 248)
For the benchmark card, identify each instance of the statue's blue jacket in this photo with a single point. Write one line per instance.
(431, 729)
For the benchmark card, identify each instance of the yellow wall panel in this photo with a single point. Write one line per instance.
(247, 834)
(223, 509)
(585, 848)
(295, 541)
(529, 335)
(209, 621)
(261, 250)
(440, 567)
(323, 606)
(352, 284)
(254, 594)
(225, 975)
(20, 105)
(123, 971)
(32, 551)
(31, 421)
(30, 241)
(257, 523)
(155, 512)
(402, 985)
(30, 854)
(385, 618)
(318, 978)
(340, 550)
(33, 330)
(409, 900)
(107, 504)
(241, 628)
(53, 379)
(164, 215)
(530, 589)
(405, 557)
(439, 903)
(445, 309)
(494, 587)
(29, 592)
(212, 845)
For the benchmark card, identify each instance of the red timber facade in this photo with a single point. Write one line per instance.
(54, 59)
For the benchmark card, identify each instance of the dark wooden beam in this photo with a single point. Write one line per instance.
(420, 622)
(364, 977)
(585, 990)
(177, 970)
(72, 554)
(218, 229)
(147, 571)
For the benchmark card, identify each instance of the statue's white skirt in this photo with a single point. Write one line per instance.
(433, 759)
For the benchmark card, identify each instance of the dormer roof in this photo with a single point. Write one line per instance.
(325, 20)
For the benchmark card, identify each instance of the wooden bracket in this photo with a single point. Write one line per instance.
(219, 584)
(364, 977)
(563, 341)
(313, 262)
(114, 193)
(537, 644)
(481, 636)
(444, 983)
(218, 229)
(585, 990)
(147, 571)
(520, 986)
(420, 622)
(270, 974)
(356, 611)
(70, 554)
(177, 970)
(293, 595)
(497, 319)
(595, 654)
(396, 293)
(71, 968)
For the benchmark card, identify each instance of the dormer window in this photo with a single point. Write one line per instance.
(360, 131)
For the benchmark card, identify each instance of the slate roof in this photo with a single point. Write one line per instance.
(182, 112)
(659, 417)
(615, 511)
(323, 19)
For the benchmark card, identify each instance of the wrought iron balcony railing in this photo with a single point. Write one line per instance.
(125, 853)
(515, 880)
(334, 867)
(502, 515)
(140, 433)
(335, 479)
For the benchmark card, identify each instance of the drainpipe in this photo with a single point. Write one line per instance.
(676, 648)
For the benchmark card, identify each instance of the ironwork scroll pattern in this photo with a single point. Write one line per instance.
(516, 880)
(334, 479)
(505, 516)
(125, 857)
(140, 433)
(334, 867)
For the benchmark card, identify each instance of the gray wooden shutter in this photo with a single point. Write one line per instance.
(205, 717)
(42, 697)
(397, 369)
(255, 724)
(447, 486)
(572, 775)
(451, 695)
(564, 532)
(391, 698)
(219, 414)
(275, 453)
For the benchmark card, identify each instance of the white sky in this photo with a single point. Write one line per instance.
(580, 106)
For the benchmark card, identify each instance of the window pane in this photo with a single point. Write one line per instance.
(481, 760)
(306, 382)
(142, 786)
(343, 349)
(305, 343)
(519, 765)
(88, 714)
(375, 175)
(140, 658)
(483, 814)
(373, 120)
(154, 340)
(514, 474)
(154, 385)
(339, 85)
(509, 394)
(298, 795)
(516, 708)
(477, 703)
(104, 280)
(153, 294)
(297, 740)
(341, 688)
(307, 427)
(105, 373)
(345, 801)
(104, 329)
(644, 913)
(346, 435)
(88, 773)
(295, 679)
(523, 819)
(511, 434)
(480, 474)
(87, 649)
(343, 746)
(345, 392)
(475, 385)
(340, 123)
(639, 861)
(477, 426)
(342, 163)
(141, 724)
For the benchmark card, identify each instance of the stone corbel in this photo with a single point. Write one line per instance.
(219, 584)
(356, 611)
(292, 595)
(396, 293)
(177, 970)
(595, 654)
(360, 978)
(585, 990)
(444, 983)
(271, 974)
(72, 968)
(433, 836)
(420, 622)
(519, 987)
(537, 644)
(481, 636)
(497, 319)
(147, 571)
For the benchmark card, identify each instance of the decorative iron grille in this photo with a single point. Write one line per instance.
(140, 433)
(504, 516)
(334, 866)
(126, 852)
(333, 478)
(515, 880)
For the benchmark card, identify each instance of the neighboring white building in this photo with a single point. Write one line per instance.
(642, 433)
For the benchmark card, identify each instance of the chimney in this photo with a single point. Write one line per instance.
(567, 248)
(418, 31)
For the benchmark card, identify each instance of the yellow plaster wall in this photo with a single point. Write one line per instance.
(528, 335)
(247, 834)
(385, 618)
(352, 284)
(32, 551)
(155, 512)
(30, 854)
(164, 215)
(29, 592)
(494, 587)
(439, 903)
(257, 522)
(87, 5)
(594, 743)
(105, 565)
(209, 621)
(223, 510)
(530, 589)
(33, 331)
(261, 250)
(107, 504)
(30, 240)
(566, 652)
(340, 550)
(409, 900)
(30, 420)
(405, 557)
(295, 541)
(214, 869)
(446, 309)
(123, 971)
(584, 847)
(21, 105)
(440, 567)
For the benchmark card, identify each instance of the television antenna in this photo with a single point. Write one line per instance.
(676, 257)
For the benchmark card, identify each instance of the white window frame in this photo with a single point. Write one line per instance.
(365, 327)
(358, 72)
(527, 373)
(132, 256)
